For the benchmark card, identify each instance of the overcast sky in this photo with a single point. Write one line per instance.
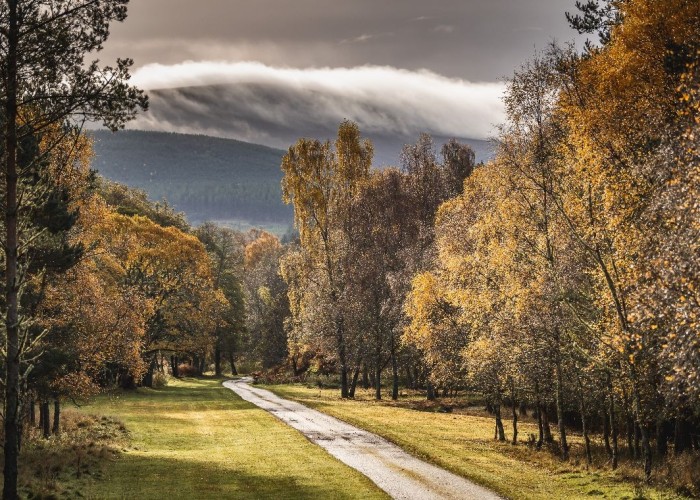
(477, 40)
(401, 65)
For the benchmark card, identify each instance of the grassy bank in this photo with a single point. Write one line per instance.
(463, 443)
(196, 439)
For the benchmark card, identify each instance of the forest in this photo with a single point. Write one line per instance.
(559, 281)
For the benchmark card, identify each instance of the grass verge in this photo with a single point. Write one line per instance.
(196, 439)
(463, 443)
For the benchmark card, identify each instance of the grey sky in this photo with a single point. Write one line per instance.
(476, 40)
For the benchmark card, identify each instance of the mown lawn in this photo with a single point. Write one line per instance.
(463, 443)
(197, 440)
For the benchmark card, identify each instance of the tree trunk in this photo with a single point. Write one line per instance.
(46, 424)
(646, 446)
(646, 451)
(629, 428)
(56, 417)
(540, 428)
(217, 360)
(661, 437)
(148, 377)
(430, 392)
(41, 416)
(233, 365)
(344, 386)
(395, 375)
(353, 384)
(606, 434)
(514, 405)
(613, 421)
(12, 354)
(409, 378)
(342, 357)
(560, 412)
(523, 409)
(174, 366)
(548, 438)
(500, 432)
(540, 422)
(195, 365)
(586, 438)
(584, 420)
(378, 380)
(365, 376)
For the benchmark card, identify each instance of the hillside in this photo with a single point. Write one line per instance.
(207, 178)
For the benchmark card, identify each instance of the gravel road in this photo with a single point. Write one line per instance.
(401, 475)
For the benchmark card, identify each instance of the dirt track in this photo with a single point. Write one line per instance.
(392, 469)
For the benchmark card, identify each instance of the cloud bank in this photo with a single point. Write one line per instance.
(275, 106)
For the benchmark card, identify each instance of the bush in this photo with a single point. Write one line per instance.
(160, 380)
(187, 370)
(682, 473)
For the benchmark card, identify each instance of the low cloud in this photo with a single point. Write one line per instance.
(444, 28)
(275, 106)
(365, 38)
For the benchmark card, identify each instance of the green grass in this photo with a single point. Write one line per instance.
(197, 439)
(463, 443)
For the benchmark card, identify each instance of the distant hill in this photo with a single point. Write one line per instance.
(206, 177)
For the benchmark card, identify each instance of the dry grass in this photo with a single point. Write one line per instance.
(63, 466)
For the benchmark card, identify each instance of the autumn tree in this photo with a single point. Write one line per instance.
(172, 270)
(267, 300)
(225, 247)
(575, 248)
(320, 181)
(381, 234)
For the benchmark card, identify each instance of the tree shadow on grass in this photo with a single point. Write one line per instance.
(157, 478)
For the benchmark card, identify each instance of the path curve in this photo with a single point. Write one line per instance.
(401, 475)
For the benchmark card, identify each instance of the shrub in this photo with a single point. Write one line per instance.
(187, 370)
(160, 380)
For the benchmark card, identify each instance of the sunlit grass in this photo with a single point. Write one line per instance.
(463, 443)
(196, 439)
